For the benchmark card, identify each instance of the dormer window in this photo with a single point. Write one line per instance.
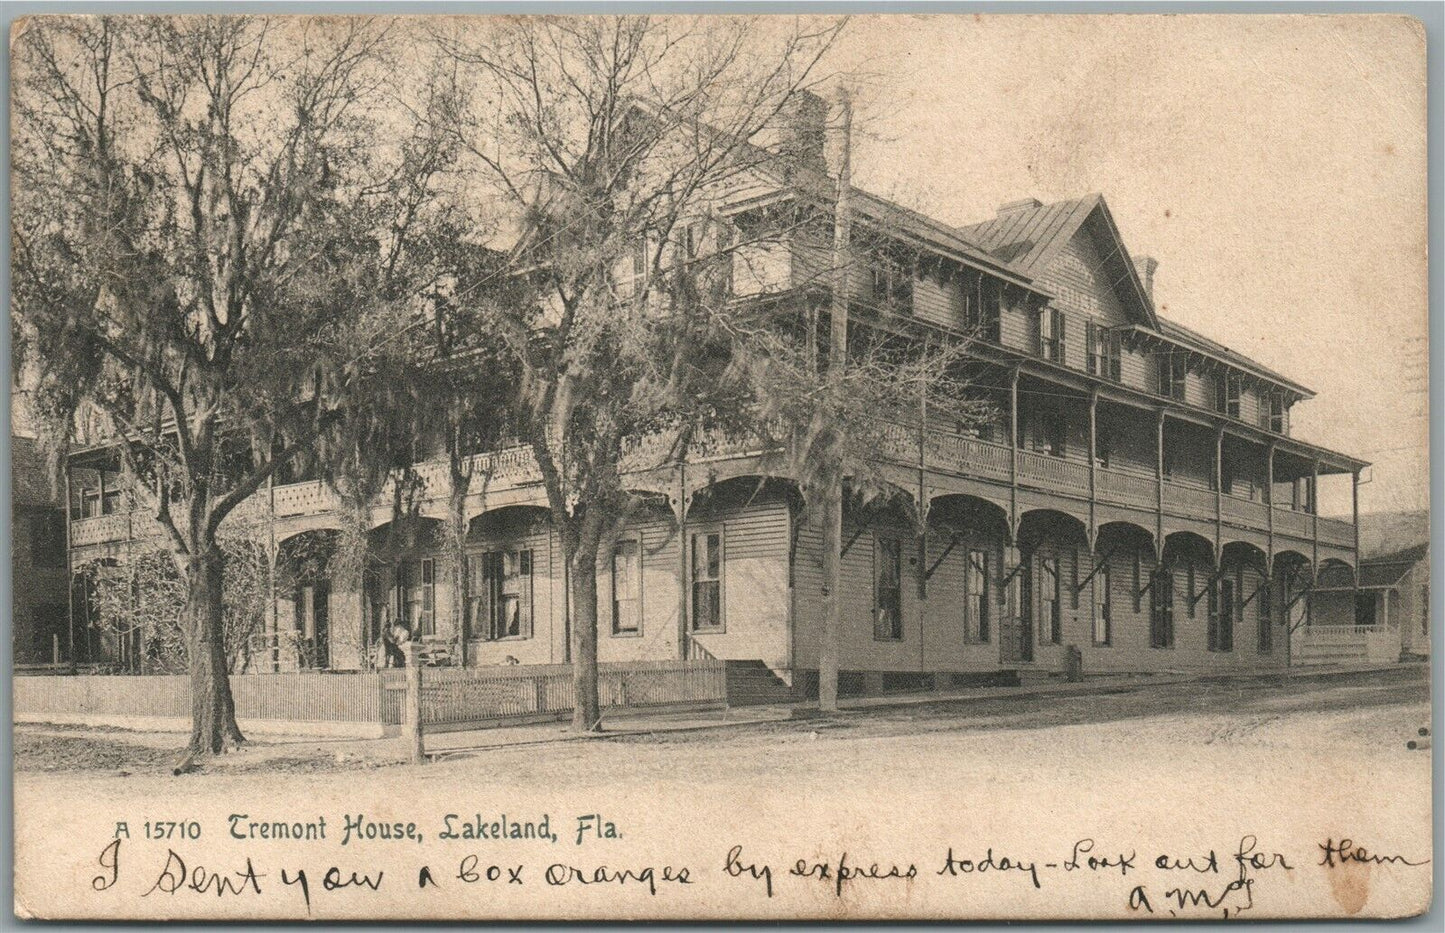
(1173, 367)
(892, 284)
(1272, 413)
(1226, 394)
(1104, 351)
(1051, 334)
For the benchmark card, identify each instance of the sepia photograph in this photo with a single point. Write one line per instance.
(720, 467)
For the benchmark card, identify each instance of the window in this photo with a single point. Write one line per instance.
(110, 501)
(416, 596)
(1273, 414)
(1222, 611)
(1266, 620)
(500, 594)
(1050, 605)
(981, 300)
(892, 284)
(1104, 351)
(888, 590)
(626, 588)
(1103, 605)
(1173, 368)
(631, 276)
(90, 502)
(977, 588)
(47, 539)
(706, 565)
(1049, 433)
(1051, 334)
(1161, 610)
(1226, 394)
(1138, 579)
(1103, 443)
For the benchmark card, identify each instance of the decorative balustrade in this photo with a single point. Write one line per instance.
(99, 529)
(1193, 500)
(1053, 472)
(1244, 511)
(955, 453)
(1295, 524)
(1337, 532)
(1129, 489)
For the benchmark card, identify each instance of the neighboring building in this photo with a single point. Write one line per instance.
(1139, 497)
(1386, 617)
(39, 619)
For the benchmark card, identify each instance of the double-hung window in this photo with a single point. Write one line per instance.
(626, 588)
(1161, 610)
(706, 562)
(1051, 334)
(1104, 351)
(1226, 394)
(1173, 368)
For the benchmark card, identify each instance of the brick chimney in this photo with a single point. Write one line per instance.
(1146, 267)
(803, 131)
(1023, 204)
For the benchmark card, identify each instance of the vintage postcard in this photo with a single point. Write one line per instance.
(703, 468)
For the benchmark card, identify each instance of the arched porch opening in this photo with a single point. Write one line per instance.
(305, 632)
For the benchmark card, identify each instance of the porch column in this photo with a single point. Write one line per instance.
(1355, 516)
(1269, 504)
(1218, 494)
(1013, 416)
(679, 508)
(1093, 466)
(1315, 513)
(1159, 486)
(69, 573)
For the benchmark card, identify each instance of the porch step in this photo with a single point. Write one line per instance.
(753, 683)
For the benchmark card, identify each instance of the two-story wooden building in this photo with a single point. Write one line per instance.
(1139, 496)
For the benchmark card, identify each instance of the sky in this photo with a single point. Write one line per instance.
(1275, 166)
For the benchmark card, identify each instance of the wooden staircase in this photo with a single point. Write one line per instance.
(753, 683)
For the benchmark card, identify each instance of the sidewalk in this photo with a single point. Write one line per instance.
(443, 744)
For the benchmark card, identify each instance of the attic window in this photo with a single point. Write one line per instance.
(1173, 368)
(1226, 394)
(892, 284)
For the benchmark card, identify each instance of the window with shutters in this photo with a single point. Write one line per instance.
(1104, 348)
(1222, 611)
(1161, 610)
(977, 587)
(1103, 606)
(501, 594)
(1051, 334)
(416, 596)
(1173, 369)
(888, 589)
(1050, 604)
(1266, 618)
(1050, 430)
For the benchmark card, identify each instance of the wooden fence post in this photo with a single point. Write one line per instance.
(412, 719)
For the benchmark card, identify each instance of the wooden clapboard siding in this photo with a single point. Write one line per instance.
(1018, 328)
(937, 302)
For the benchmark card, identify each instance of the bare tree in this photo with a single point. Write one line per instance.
(605, 142)
(202, 208)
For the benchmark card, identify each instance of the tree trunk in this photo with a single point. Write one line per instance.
(586, 710)
(213, 711)
(831, 514)
(457, 546)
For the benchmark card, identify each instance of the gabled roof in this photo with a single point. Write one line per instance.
(1029, 236)
(1197, 341)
